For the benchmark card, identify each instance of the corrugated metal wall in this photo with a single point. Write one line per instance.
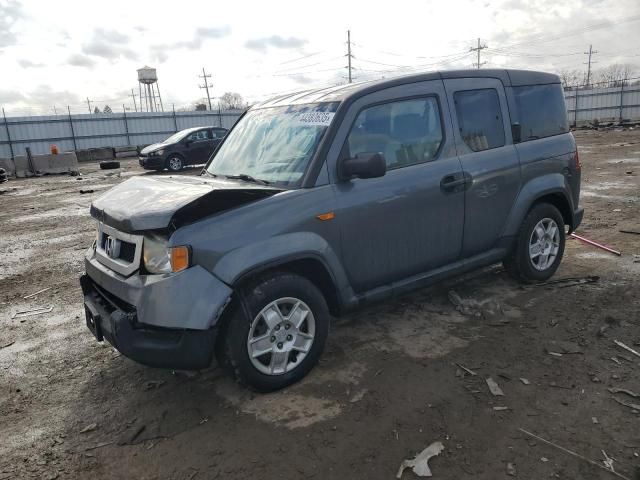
(603, 104)
(83, 131)
(77, 132)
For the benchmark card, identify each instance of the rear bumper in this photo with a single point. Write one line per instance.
(577, 219)
(152, 346)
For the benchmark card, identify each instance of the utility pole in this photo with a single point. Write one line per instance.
(590, 52)
(349, 55)
(89, 105)
(478, 49)
(133, 95)
(206, 85)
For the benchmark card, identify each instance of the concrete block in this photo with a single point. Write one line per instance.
(127, 148)
(95, 154)
(129, 154)
(9, 166)
(46, 164)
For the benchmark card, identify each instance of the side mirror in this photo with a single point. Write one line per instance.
(363, 165)
(516, 132)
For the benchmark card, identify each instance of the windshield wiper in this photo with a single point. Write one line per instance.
(247, 178)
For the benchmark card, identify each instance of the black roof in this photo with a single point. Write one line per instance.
(342, 92)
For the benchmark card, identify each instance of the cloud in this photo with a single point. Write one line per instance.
(160, 52)
(24, 63)
(302, 79)
(79, 60)
(275, 41)
(11, 96)
(109, 44)
(10, 13)
(45, 96)
(215, 32)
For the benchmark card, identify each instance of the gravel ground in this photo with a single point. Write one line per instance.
(390, 383)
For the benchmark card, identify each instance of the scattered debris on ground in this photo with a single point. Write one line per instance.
(420, 464)
(494, 388)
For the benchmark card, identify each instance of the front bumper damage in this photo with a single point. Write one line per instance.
(166, 321)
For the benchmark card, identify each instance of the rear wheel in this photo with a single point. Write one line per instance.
(175, 163)
(539, 245)
(278, 335)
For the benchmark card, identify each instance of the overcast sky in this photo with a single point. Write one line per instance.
(58, 53)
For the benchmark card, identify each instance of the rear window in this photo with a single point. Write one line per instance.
(541, 111)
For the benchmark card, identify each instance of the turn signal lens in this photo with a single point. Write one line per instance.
(179, 258)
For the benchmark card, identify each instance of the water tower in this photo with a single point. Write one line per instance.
(149, 91)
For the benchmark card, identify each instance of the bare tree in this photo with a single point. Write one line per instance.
(200, 107)
(96, 110)
(571, 78)
(615, 75)
(232, 101)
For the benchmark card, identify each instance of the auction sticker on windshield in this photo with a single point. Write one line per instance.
(315, 118)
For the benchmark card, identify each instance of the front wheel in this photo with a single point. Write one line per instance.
(278, 335)
(539, 245)
(175, 163)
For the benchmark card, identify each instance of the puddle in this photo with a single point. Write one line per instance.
(61, 213)
(284, 408)
(595, 255)
(624, 160)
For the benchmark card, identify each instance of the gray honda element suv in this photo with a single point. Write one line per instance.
(321, 201)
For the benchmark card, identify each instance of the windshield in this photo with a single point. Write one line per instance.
(274, 144)
(176, 137)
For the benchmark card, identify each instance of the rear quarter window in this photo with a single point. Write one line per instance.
(541, 111)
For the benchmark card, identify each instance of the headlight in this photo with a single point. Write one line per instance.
(157, 152)
(159, 258)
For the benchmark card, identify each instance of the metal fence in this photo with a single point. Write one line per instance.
(603, 103)
(78, 132)
(82, 131)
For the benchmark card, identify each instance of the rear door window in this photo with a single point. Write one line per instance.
(197, 136)
(541, 111)
(480, 119)
(406, 132)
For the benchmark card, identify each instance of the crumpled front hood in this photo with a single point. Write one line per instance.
(151, 202)
(150, 148)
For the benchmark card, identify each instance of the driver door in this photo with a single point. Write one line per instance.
(408, 221)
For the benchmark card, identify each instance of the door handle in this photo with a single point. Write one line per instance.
(449, 182)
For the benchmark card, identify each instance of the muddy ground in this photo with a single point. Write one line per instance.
(387, 386)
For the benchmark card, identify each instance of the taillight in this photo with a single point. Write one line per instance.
(577, 160)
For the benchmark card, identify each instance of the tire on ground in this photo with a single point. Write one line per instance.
(519, 263)
(257, 295)
(109, 165)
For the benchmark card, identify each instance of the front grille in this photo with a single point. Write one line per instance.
(117, 250)
(127, 251)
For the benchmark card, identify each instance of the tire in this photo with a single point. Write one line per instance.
(526, 262)
(175, 163)
(248, 321)
(109, 165)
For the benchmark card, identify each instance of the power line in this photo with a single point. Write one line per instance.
(543, 38)
(590, 53)
(478, 49)
(206, 85)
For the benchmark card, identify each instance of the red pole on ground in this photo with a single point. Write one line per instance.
(595, 244)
